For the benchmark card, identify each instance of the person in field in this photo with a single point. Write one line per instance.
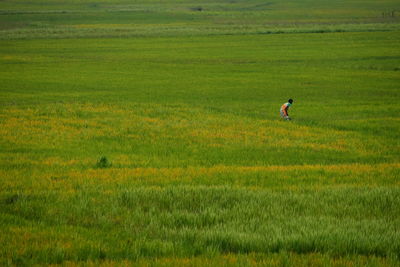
(285, 108)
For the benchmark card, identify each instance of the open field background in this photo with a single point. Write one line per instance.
(148, 132)
(21, 19)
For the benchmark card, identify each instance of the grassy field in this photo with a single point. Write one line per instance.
(148, 133)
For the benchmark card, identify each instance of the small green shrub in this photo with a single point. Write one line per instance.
(103, 162)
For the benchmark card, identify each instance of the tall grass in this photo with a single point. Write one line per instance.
(138, 222)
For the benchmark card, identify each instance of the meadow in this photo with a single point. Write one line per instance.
(148, 133)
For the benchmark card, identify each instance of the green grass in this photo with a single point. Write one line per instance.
(60, 19)
(148, 133)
